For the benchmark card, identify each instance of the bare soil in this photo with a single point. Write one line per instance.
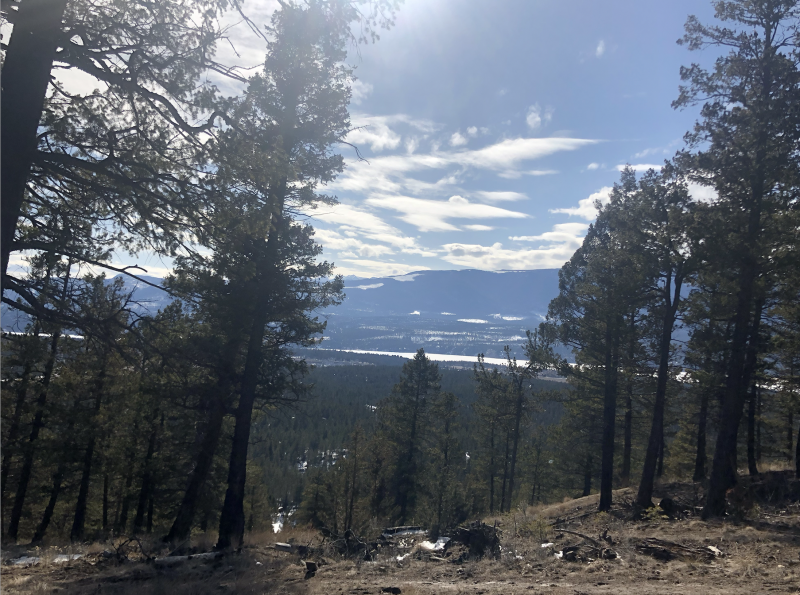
(600, 553)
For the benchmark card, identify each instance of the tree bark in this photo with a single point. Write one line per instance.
(655, 444)
(25, 77)
(147, 477)
(625, 476)
(743, 353)
(182, 526)
(519, 406)
(29, 450)
(789, 434)
(14, 426)
(609, 415)
(797, 455)
(700, 457)
(752, 467)
(79, 522)
(587, 475)
(231, 522)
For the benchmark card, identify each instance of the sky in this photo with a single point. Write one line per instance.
(490, 127)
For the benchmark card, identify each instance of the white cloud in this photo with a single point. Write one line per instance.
(374, 268)
(354, 222)
(536, 116)
(394, 173)
(479, 227)
(332, 240)
(414, 313)
(458, 140)
(600, 49)
(640, 166)
(432, 215)
(499, 196)
(702, 193)
(564, 233)
(495, 257)
(379, 132)
(593, 166)
(472, 131)
(586, 208)
(376, 133)
(360, 90)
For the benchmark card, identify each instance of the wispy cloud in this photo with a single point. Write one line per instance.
(375, 268)
(433, 215)
(586, 208)
(564, 233)
(500, 196)
(360, 90)
(593, 166)
(600, 49)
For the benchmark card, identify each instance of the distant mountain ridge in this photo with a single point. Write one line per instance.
(463, 293)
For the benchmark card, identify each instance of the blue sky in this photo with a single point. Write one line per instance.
(489, 128)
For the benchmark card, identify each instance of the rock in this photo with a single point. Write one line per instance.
(392, 590)
(311, 569)
(283, 547)
(310, 566)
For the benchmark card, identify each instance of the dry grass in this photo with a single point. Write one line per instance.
(761, 556)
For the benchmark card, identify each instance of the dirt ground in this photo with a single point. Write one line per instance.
(600, 553)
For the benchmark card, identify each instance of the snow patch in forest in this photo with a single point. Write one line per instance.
(435, 547)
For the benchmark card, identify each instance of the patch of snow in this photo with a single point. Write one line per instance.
(435, 547)
(404, 278)
(547, 545)
(403, 557)
(414, 313)
(365, 287)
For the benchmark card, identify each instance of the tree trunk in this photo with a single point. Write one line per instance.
(147, 477)
(491, 471)
(79, 522)
(758, 427)
(231, 522)
(587, 475)
(58, 478)
(609, 415)
(25, 77)
(182, 526)
(29, 450)
(655, 445)
(743, 352)
(105, 502)
(14, 426)
(625, 476)
(627, 445)
(700, 457)
(519, 406)
(797, 455)
(55, 491)
(789, 434)
(752, 467)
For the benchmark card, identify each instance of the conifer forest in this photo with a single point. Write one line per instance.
(672, 349)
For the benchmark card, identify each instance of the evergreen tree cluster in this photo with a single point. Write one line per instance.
(103, 404)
